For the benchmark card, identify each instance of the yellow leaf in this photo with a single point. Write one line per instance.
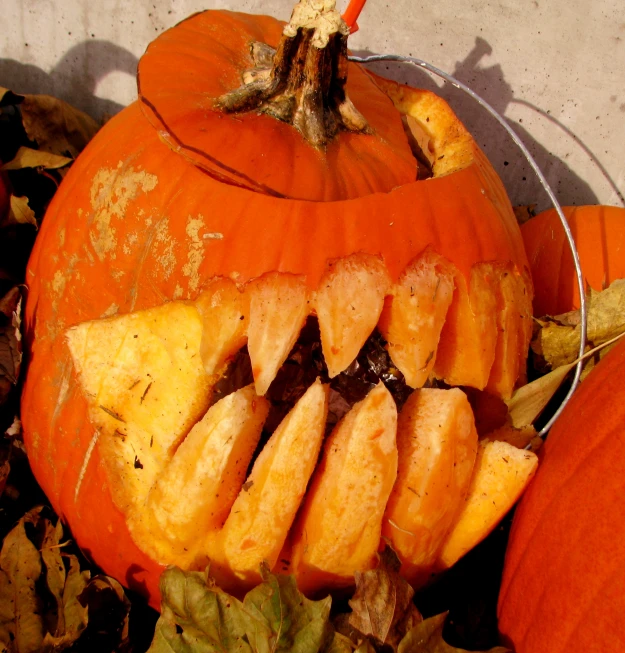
(26, 157)
(557, 340)
(528, 401)
(19, 213)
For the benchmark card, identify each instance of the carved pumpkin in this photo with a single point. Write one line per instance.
(195, 224)
(599, 233)
(562, 587)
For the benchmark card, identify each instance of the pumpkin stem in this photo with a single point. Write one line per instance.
(302, 82)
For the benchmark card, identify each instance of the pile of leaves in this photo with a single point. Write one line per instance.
(275, 616)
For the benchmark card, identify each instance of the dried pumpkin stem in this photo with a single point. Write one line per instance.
(303, 81)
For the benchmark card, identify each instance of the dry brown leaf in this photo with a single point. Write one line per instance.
(557, 339)
(56, 126)
(21, 622)
(382, 606)
(427, 637)
(524, 213)
(528, 402)
(8, 98)
(10, 342)
(26, 157)
(19, 213)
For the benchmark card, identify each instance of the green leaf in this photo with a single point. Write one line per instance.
(291, 621)
(427, 637)
(197, 616)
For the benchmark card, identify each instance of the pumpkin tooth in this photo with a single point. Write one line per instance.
(437, 444)
(208, 470)
(338, 530)
(414, 314)
(264, 510)
(279, 306)
(512, 333)
(225, 315)
(500, 475)
(348, 302)
(145, 386)
(466, 350)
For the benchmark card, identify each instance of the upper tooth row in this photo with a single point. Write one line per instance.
(471, 332)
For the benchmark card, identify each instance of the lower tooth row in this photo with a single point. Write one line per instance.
(407, 480)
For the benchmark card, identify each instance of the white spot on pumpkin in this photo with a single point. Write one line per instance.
(112, 191)
(166, 259)
(58, 283)
(178, 291)
(111, 310)
(195, 253)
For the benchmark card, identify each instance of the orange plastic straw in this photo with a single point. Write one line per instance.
(351, 14)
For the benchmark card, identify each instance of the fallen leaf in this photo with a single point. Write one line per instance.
(21, 622)
(10, 342)
(56, 126)
(557, 339)
(529, 400)
(46, 602)
(19, 213)
(427, 637)
(524, 213)
(105, 603)
(8, 98)
(198, 616)
(382, 606)
(26, 157)
(5, 470)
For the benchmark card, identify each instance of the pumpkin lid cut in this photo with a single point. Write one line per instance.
(272, 108)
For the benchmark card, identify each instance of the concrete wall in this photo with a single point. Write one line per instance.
(554, 68)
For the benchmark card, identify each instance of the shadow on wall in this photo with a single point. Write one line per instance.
(75, 77)
(489, 82)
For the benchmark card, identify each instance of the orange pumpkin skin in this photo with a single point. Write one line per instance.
(136, 224)
(599, 233)
(564, 574)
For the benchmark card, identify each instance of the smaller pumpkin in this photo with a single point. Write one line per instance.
(562, 587)
(599, 233)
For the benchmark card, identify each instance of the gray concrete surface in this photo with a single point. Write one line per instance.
(554, 68)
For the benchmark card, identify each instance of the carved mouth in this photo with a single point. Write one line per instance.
(179, 433)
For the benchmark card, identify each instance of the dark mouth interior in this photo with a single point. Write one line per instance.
(305, 364)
